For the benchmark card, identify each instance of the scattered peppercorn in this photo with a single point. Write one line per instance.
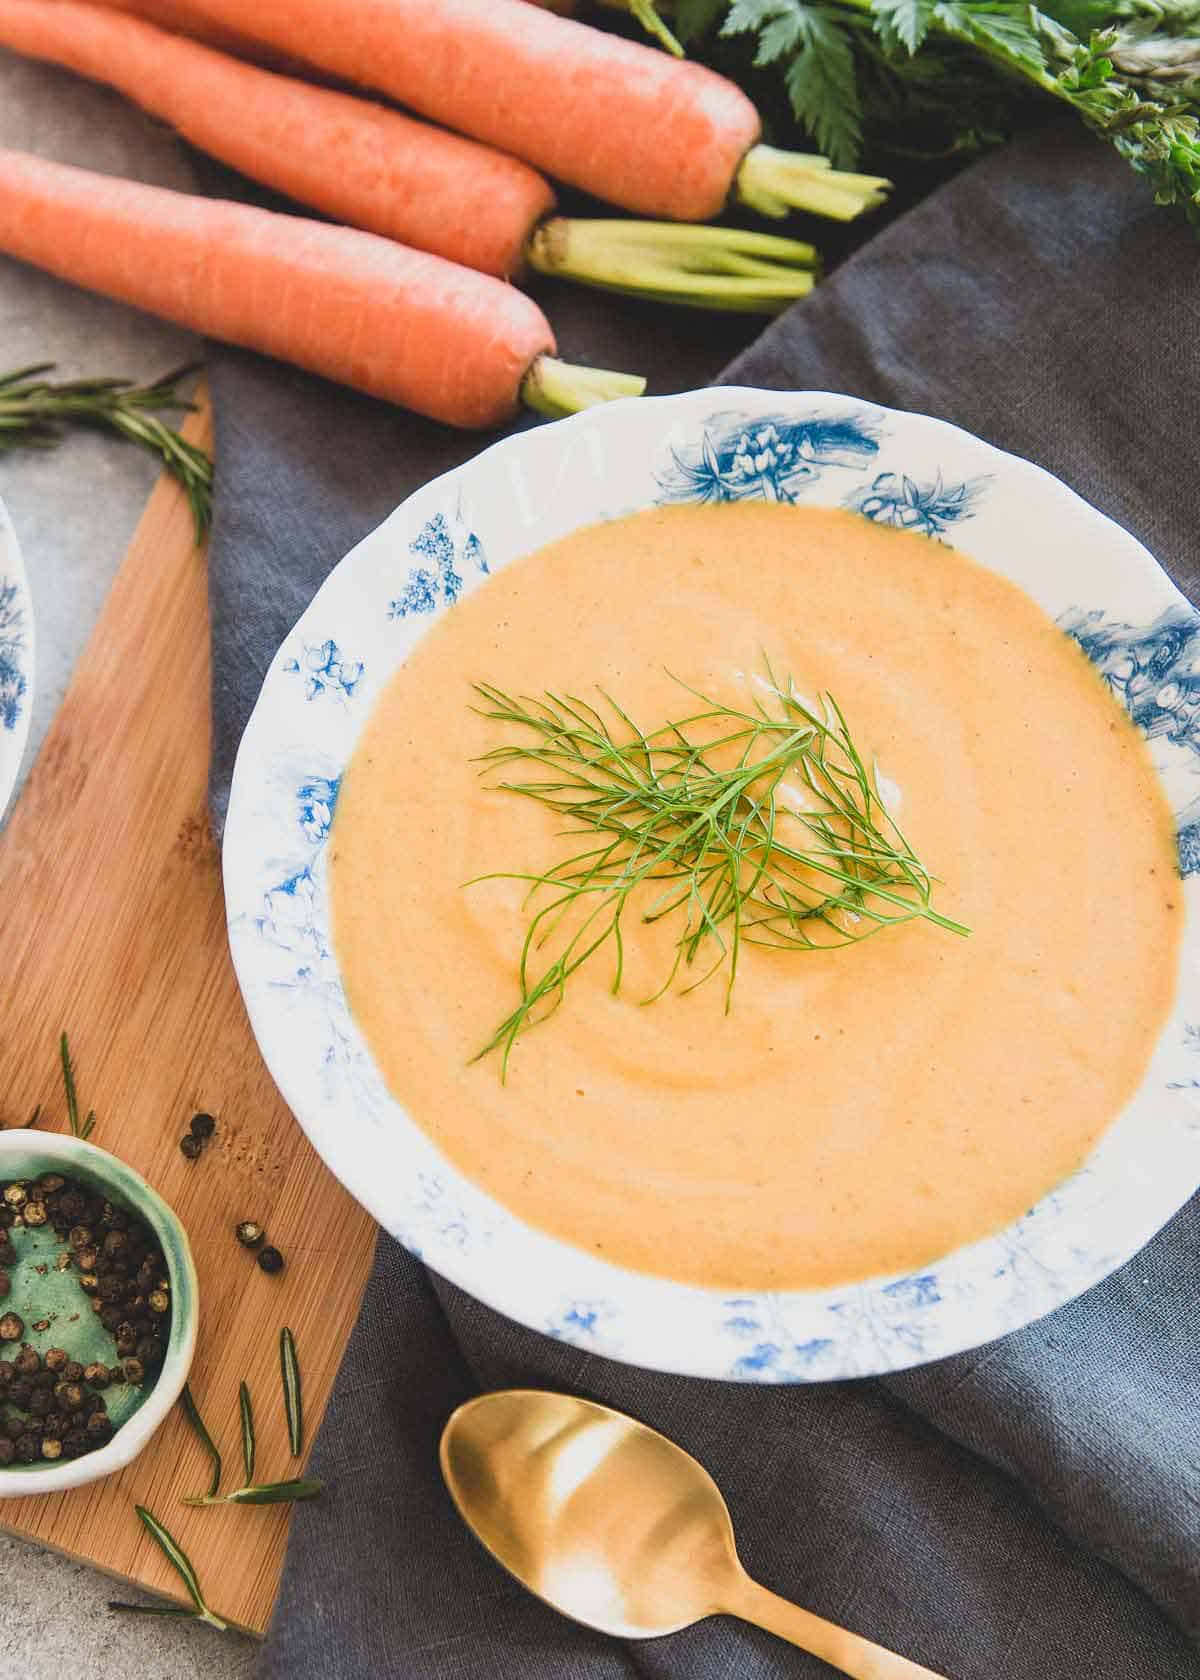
(203, 1125)
(249, 1233)
(12, 1327)
(191, 1147)
(270, 1259)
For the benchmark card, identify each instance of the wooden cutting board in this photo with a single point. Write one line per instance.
(113, 927)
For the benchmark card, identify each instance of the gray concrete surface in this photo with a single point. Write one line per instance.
(74, 511)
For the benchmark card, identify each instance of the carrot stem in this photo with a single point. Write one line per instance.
(557, 388)
(775, 182)
(706, 267)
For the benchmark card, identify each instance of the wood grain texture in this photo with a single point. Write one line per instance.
(114, 928)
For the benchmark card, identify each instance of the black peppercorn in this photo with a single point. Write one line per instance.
(99, 1429)
(49, 1184)
(126, 1340)
(90, 1284)
(35, 1213)
(270, 1259)
(116, 1243)
(97, 1375)
(249, 1233)
(202, 1126)
(158, 1301)
(12, 1327)
(28, 1361)
(43, 1379)
(69, 1396)
(75, 1443)
(15, 1195)
(27, 1448)
(108, 1288)
(150, 1351)
(6, 1375)
(72, 1371)
(41, 1403)
(110, 1318)
(13, 1427)
(7, 1452)
(135, 1372)
(191, 1147)
(19, 1393)
(70, 1204)
(79, 1237)
(87, 1259)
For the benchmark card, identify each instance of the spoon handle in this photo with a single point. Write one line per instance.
(854, 1655)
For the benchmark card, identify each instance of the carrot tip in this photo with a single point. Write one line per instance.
(557, 388)
(775, 183)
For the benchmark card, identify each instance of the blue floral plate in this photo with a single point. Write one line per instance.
(814, 448)
(16, 658)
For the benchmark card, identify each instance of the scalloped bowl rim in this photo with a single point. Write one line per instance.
(292, 990)
(134, 1434)
(13, 741)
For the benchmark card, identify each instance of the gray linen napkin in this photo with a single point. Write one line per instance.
(1028, 1511)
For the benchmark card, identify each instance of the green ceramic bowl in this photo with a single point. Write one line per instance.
(136, 1412)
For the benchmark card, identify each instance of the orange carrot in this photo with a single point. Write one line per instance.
(622, 120)
(179, 16)
(400, 324)
(367, 165)
(357, 161)
(630, 124)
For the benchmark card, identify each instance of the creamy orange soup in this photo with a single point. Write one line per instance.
(857, 1111)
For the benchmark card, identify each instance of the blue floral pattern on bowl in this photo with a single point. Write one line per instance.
(903, 470)
(16, 658)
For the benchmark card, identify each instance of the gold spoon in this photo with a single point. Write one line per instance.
(616, 1526)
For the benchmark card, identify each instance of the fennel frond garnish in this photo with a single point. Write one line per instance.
(756, 826)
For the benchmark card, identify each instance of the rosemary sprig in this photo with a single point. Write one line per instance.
(181, 1563)
(246, 1411)
(259, 1493)
(81, 1129)
(192, 1412)
(35, 411)
(755, 826)
(293, 1397)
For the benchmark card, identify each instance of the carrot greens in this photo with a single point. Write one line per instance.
(746, 826)
(931, 77)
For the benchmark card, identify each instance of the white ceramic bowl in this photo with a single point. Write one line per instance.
(28, 1154)
(16, 658)
(815, 448)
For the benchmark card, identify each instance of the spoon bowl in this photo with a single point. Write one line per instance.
(617, 1527)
